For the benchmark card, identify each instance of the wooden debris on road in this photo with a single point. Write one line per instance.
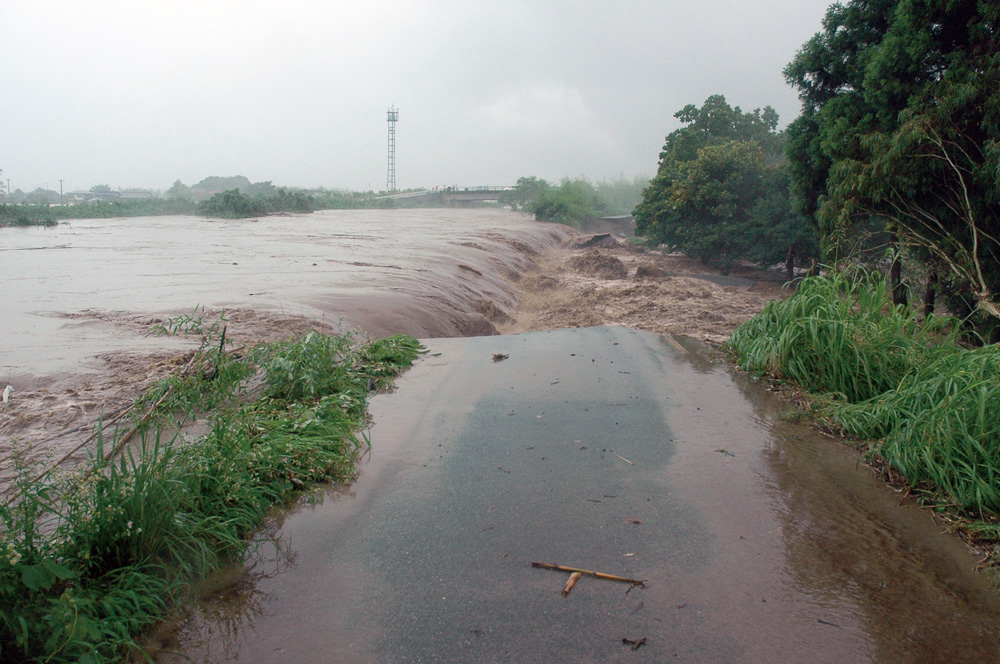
(634, 645)
(585, 572)
(573, 578)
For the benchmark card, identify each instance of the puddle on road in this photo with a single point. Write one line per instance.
(859, 558)
(806, 555)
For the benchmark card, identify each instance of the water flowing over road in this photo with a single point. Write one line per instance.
(612, 450)
(602, 448)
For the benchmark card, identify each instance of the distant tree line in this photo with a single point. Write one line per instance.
(234, 204)
(29, 214)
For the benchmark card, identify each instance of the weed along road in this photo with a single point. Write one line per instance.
(614, 451)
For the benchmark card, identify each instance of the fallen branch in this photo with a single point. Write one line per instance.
(596, 575)
(634, 645)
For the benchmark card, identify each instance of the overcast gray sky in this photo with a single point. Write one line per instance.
(139, 93)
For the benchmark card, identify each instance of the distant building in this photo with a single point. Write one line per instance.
(76, 197)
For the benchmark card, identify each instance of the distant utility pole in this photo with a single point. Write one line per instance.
(392, 116)
(60, 192)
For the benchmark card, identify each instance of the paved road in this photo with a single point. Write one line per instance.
(611, 450)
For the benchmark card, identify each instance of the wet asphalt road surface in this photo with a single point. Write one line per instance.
(611, 450)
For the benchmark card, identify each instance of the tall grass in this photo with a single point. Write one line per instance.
(89, 560)
(928, 406)
(940, 425)
(839, 334)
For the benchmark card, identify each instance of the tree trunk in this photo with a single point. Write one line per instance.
(896, 277)
(930, 295)
(790, 264)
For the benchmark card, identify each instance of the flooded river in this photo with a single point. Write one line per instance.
(603, 448)
(80, 299)
(72, 292)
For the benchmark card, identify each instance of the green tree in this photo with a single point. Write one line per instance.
(714, 194)
(261, 189)
(524, 192)
(232, 204)
(42, 196)
(900, 123)
(572, 202)
(778, 230)
(178, 191)
(719, 193)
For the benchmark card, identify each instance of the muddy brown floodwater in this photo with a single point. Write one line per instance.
(80, 299)
(602, 447)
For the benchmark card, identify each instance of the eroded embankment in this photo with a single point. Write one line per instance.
(422, 273)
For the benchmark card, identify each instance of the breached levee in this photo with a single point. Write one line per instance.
(80, 346)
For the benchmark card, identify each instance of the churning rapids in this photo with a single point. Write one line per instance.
(80, 299)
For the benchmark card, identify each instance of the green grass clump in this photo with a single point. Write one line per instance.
(940, 425)
(928, 406)
(839, 334)
(90, 560)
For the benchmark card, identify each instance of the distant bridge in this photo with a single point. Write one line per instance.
(454, 196)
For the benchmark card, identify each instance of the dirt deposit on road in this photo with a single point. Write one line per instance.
(600, 280)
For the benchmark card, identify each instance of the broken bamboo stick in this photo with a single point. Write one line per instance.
(596, 575)
(573, 578)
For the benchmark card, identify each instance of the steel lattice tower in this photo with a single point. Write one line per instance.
(392, 116)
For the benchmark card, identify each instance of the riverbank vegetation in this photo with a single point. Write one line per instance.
(893, 159)
(721, 192)
(25, 215)
(233, 204)
(575, 201)
(90, 559)
(924, 402)
(28, 214)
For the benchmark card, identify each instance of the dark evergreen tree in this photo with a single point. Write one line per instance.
(901, 117)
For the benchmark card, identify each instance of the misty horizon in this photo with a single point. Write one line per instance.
(140, 96)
